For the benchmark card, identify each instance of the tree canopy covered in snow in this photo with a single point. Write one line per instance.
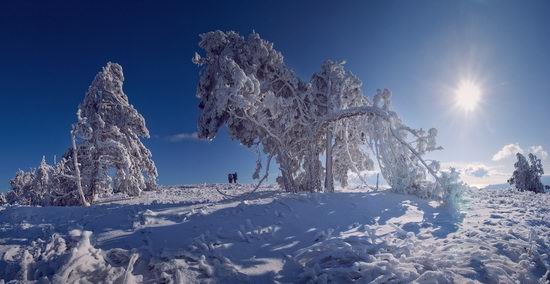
(106, 156)
(526, 176)
(108, 133)
(246, 86)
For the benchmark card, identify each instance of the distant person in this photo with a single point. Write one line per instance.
(235, 177)
(230, 178)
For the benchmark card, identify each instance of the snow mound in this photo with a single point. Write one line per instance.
(75, 260)
(66, 261)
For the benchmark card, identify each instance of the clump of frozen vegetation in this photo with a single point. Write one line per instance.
(246, 86)
(45, 185)
(526, 176)
(106, 155)
(70, 260)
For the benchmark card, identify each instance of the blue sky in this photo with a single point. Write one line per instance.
(421, 50)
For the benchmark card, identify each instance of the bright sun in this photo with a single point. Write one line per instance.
(468, 95)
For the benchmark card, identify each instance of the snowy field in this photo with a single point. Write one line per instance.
(194, 234)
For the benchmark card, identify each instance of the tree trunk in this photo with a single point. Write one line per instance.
(288, 182)
(286, 172)
(77, 172)
(329, 179)
(313, 167)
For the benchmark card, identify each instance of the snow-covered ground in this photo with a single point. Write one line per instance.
(193, 234)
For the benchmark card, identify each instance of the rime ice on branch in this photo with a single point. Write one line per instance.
(245, 85)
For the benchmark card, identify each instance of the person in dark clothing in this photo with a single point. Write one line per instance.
(230, 178)
(235, 177)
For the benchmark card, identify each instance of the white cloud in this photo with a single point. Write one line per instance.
(474, 170)
(510, 150)
(507, 151)
(479, 171)
(539, 151)
(478, 174)
(182, 137)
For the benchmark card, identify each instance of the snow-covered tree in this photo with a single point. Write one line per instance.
(399, 150)
(106, 154)
(44, 185)
(400, 161)
(111, 156)
(333, 90)
(526, 176)
(32, 187)
(21, 188)
(246, 86)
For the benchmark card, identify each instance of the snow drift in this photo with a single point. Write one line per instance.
(194, 234)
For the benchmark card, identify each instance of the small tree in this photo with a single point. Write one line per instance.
(107, 135)
(21, 188)
(526, 176)
(45, 185)
(106, 153)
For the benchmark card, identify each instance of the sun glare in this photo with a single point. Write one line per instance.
(468, 95)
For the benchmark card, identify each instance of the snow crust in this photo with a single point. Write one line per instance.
(194, 234)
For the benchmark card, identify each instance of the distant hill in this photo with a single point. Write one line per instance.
(498, 186)
(544, 179)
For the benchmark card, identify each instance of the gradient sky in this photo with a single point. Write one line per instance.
(51, 50)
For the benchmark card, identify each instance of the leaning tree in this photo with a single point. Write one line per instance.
(246, 86)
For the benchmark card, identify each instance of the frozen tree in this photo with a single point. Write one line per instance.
(21, 188)
(520, 176)
(106, 154)
(107, 143)
(44, 185)
(245, 85)
(41, 181)
(526, 176)
(399, 150)
(32, 187)
(400, 160)
(333, 90)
